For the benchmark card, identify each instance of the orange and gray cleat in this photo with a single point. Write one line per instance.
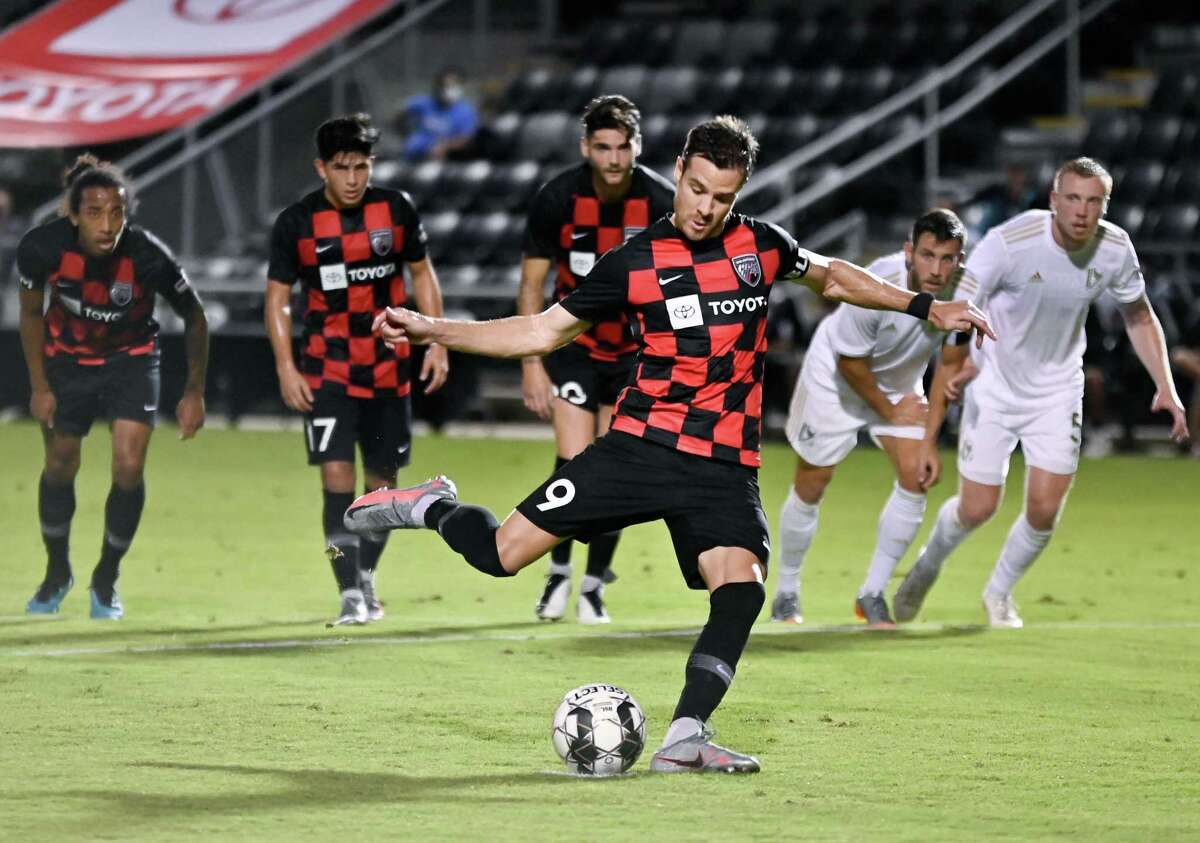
(398, 509)
(698, 754)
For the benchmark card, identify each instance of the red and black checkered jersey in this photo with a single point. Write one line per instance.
(568, 224)
(698, 310)
(101, 307)
(349, 265)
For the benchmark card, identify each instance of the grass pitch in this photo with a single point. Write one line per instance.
(222, 707)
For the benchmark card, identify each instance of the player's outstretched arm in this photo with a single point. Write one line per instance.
(33, 333)
(428, 293)
(844, 281)
(189, 412)
(516, 336)
(1146, 335)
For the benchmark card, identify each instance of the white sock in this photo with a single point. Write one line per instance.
(682, 728)
(590, 583)
(797, 526)
(1023, 545)
(561, 570)
(898, 524)
(948, 533)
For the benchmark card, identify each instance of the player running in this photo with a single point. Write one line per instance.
(864, 370)
(576, 217)
(94, 353)
(684, 443)
(347, 244)
(1037, 274)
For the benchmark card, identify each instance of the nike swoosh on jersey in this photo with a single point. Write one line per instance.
(664, 281)
(575, 235)
(324, 248)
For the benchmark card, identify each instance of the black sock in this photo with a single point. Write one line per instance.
(345, 554)
(56, 507)
(370, 550)
(600, 553)
(561, 554)
(470, 531)
(710, 668)
(122, 512)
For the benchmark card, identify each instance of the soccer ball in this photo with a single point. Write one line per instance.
(599, 730)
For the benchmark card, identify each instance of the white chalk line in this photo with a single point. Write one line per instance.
(483, 637)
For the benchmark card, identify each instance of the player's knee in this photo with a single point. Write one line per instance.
(62, 466)
(974, 511)
(811, 482)
(127, 474)
(1042, 515)
(907, 476)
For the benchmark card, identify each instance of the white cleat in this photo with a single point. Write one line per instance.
(354, 609)
(366, 581)
(553, 603)
(1001, 611)
(590, 609)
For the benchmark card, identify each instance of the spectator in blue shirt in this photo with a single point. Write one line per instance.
(439, 123)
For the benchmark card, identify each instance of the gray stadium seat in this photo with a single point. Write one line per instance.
(1177, 92)
(1110, 136)
(1130, 216)
(628, 80)
(1159, 136)
(672, 90)
(700, 41)
(1175, 223)
(547, 136)
(751, 42)
(1182, 183)
(1138, 182)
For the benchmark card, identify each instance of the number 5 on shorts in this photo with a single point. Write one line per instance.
(327, 425)
(559, 493)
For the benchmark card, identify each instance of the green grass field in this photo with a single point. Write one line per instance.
(434, 723)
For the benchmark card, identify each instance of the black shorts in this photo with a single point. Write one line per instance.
(381, 427)
(588, 383)
(124, 387)
(621, 480)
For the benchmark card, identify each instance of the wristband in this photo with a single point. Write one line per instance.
(919, 305)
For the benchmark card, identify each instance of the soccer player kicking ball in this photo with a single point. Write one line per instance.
(684, 442)
(94, 353)
(347, 243)
(1037, 273)
(864, 369)
(576, 217)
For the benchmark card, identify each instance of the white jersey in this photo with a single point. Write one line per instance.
(1036, 295)
(899, 346)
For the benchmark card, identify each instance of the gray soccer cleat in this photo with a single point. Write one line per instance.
(366, 582)
(873, 609)
(698, 754)
(1001, 611)
(397, 509)
(354, 609)
(553, 603)
(785, 608)
(911, 593)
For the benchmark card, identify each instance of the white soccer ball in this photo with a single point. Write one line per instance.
(599, 730)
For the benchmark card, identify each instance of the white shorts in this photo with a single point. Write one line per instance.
(1049, 438)
(824, 430)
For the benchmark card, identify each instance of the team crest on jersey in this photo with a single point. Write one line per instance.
(1093, 278)
(120, 293)
(633, 231)
(748, 269)
(381, 241)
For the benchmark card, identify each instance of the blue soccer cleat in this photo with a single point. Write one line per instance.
(101, 611)
(48, 598)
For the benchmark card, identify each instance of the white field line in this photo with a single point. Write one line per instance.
(460, 637)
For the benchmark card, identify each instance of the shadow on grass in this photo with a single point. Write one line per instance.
(101, 632)
(284, 790)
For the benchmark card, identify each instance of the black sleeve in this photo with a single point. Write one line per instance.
(793, 260)
(603, 293)
(415, 238)
(32, 264)
(545, 223)
(282, 265)
(167, 277)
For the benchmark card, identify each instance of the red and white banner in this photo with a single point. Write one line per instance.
(91, 71)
